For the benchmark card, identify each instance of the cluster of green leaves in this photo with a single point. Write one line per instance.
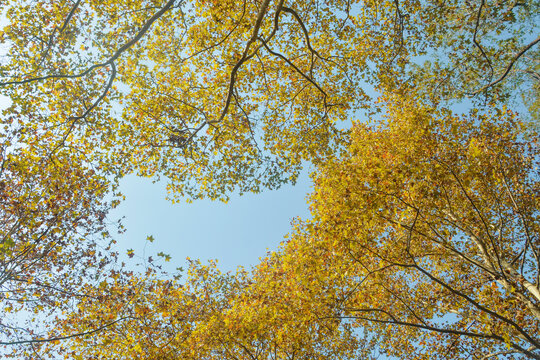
(425, 222)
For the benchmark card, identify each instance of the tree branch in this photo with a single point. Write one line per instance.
(510, 66)
(37, 341)
(115, 56)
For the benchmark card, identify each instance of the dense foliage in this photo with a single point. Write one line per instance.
(424, 241)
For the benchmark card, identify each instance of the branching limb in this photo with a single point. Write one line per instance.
(58, 338)
(509, 66)
(51, 38)
(115, 56)
(75, 119)
(401, 26)
(479, 306)
(394, 321)
(296, 69)
(475, 40)
(525, 226)
(246, 55)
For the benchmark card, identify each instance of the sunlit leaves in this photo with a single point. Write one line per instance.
(435, 211)
(265, 314)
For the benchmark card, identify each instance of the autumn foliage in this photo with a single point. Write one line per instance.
(438, 213)
(416, 118)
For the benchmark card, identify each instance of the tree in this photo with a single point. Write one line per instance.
(423, 243)
(50, 212)
(224, 96)
(439, 214)
(234, 95)
(211, 315)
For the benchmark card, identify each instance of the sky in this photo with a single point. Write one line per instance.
(236, 233)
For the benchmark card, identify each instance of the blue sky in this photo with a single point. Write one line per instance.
(236, 233)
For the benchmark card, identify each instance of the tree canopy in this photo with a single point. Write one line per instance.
(415, 118)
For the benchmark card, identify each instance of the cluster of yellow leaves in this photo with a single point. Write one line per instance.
(438, 214)
(210, 316)
(234, 95)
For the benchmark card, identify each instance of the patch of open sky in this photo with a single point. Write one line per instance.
(235, 233)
